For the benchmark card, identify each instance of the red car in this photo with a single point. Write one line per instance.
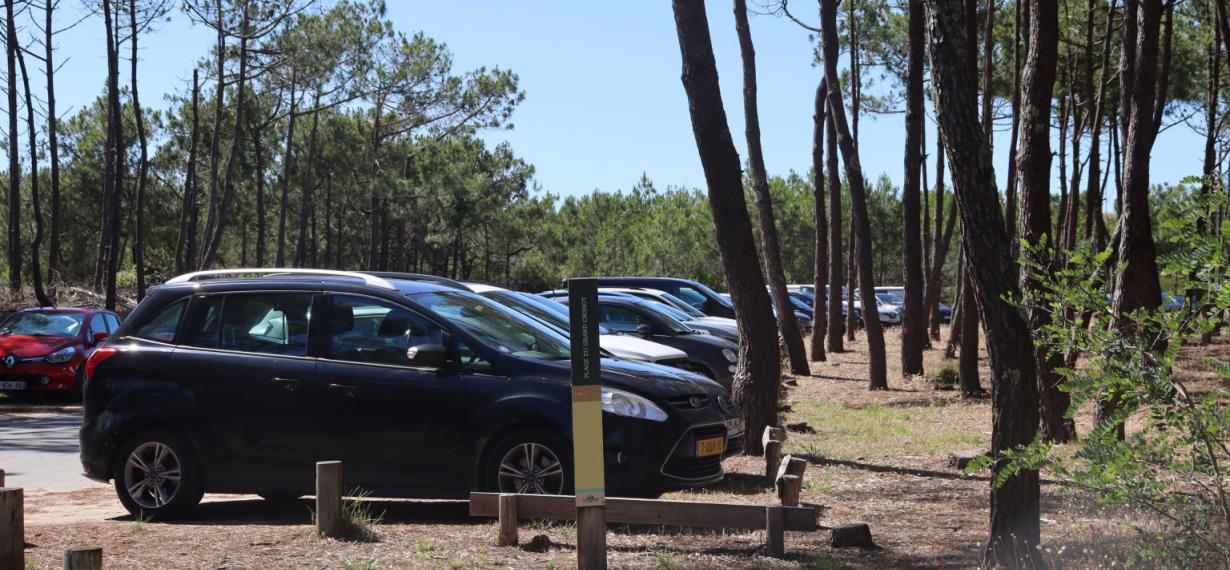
(44, 349)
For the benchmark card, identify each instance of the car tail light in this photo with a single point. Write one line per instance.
(99, 355)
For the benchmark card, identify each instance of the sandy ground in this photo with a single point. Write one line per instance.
(876, 457)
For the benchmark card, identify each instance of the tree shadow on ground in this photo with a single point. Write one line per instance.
(299, 512)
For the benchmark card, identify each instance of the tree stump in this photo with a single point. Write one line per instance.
(788, 489)
(83, 559)
(852, 535)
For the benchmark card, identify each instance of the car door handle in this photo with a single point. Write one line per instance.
(343, 388)
(288, 384)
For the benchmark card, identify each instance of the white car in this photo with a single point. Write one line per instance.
(626, 347)
(681, 310)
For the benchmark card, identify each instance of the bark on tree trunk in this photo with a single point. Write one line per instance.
(53, 145)
(214, 242)
(786, 321)
(306, 192)
(1034, 169)
(913, 320)
(1137, 286)
(262, 226)
(190, 208)
(967, 363)
(36, 244)
(757, 383)
(836, 324)
(1014, 504)
(287, 173)
(821, 259)
(138, 241)
(878, 372)
(115, 124)
(15, 253)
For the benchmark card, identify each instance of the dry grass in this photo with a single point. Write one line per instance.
(877, 457)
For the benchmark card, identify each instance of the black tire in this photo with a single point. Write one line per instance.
(562, 452)
(156, 498)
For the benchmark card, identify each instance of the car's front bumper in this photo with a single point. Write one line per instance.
(649, 458)
(39, 376)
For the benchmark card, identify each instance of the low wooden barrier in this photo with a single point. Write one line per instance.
(774, 519)
(83, 559)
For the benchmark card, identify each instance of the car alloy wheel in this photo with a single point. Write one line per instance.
(531, 468)
(152, 475)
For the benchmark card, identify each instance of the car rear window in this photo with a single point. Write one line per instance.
(162, 327)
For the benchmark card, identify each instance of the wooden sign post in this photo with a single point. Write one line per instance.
(587, 451)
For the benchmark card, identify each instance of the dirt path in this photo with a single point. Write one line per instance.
(877, 457)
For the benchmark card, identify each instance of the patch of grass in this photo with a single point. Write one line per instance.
(820, 563)
(358, 518)
(139, 521)
(370, 564)
(664, 559)
(427, 546)
(566, 528)
(30, 565)
(878, 430)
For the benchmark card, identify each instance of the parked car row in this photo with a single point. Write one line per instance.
(240, 380)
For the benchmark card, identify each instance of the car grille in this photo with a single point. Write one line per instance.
(734, 446)
(683, 465)
(690, 402)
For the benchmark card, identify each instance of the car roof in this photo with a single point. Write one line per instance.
(482, 287)
(77, 310)
(405, 283)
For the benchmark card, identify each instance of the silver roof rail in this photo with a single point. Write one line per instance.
(367, 278)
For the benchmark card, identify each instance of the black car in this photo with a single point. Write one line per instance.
(714, 357)
(706, 300)
(241, 384)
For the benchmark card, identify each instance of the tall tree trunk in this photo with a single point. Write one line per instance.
(851, 274)
(138, 241)
(1137, 286)
(15, 253)
(1014, 503)
(878, 372)
(36, 244)
(1209, 169)
(1095, 225)
(1034, 170)
(913, 320)
(185, 248)
(967, 320)
(215, 141)
(305, 196)
(757, 383)
(821, 259)
(1010, 201)
(53, 144)
(214, 242)
(287, 172)
(786, 321)
(262, 225)
(943, 237)
(836, 342)
(115, 125)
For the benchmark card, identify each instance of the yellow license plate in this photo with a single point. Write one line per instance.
(712, 446)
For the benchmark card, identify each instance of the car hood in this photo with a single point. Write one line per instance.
(651, 380)
(719, 321)
(719, 330)
(32, 346)
(634, 348)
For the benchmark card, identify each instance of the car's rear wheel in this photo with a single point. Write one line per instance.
(530, 462)
(158, 476)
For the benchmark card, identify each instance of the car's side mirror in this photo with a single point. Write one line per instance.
(98, 337)
(427, 355)
(644, 330)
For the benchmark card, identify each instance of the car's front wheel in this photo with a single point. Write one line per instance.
(158, 476)
(530, 462)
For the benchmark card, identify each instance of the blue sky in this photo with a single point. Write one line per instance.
(604, 101)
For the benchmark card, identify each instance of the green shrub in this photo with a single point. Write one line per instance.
(946, 378)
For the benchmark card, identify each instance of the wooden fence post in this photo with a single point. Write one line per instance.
(591, 538)
(775, 536)
(788, 488)
(12, 530)
(772, 452)
(508, 520)
(89, 558)
(1, 478)
(329, 499)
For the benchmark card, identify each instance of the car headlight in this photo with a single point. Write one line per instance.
(627, 404)
(61, 356)
(730, 355)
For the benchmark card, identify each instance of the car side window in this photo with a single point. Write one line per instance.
(371, 331)
(97, 325)
(162, 327)
(113, 322)
(271, 323)
(619, 318)
(203, 324)
(692, 297)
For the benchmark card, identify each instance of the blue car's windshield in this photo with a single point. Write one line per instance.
(502, 328)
